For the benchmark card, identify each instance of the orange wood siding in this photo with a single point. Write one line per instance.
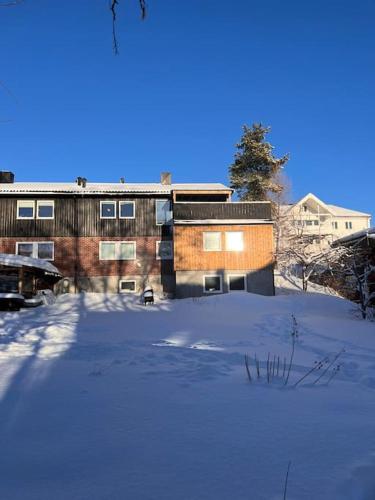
(189, 253)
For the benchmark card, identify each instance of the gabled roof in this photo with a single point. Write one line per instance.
(102, 187)
(332, 209)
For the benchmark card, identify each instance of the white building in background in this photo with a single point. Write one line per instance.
(312, 216)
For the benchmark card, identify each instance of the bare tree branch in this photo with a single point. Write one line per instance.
(113, 8)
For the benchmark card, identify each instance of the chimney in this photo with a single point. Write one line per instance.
(79, 181)
(6, 177)
(83, 182)
(122, 180)
(166, 178)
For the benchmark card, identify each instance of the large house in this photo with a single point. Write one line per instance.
(313, 217)
(181, 239)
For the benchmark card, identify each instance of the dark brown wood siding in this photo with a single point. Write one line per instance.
(232, 210)
(80, 216)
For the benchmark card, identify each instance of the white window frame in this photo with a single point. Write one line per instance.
(156, 211)
(35, 248)
(117, 249)
(108, 201)
(237, 276)
(125, 202)
(212, 276)
(226, 241)
(158, 257)
(46, 203)
(28, 203)
(208, 249)
(348, 224)
(127, 281)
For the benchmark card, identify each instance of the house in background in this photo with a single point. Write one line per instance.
(180, 239)
(313, 217)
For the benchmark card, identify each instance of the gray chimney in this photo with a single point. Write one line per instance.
(122, 180)
(166, 178)
(83, 182)
(79, 181)
(6, 177)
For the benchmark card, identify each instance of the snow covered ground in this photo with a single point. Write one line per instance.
(102, 398)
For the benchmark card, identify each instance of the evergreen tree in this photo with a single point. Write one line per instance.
(255, 173)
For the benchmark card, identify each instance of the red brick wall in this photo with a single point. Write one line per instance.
(89, 264)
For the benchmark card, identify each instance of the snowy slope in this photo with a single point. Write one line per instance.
(102, 398)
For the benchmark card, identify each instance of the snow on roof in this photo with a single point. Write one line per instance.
(359, 235)
(20, 261)
(100, 187)
(340, 211)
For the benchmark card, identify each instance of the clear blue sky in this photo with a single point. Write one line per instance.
(185, 82)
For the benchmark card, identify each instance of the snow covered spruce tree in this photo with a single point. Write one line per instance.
(255, 172)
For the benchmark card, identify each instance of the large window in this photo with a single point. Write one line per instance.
(127, 286)
(45, 209)
(234, 241)
(212, 241)
(36, 249)
(108, 210)
(25, 209)
(126, 210)
(163, 212)
(117, 250)
(164, 250)
(212, 284)
(237, 282)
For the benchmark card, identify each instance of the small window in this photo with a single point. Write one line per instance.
(25, 249)
(108, 210)
(211, 241)
(25, 209)
(316, 223)
(126, 250)
(163, 212)
(127, 286)
(348, 225)
(309, 223)
(237, 282)
(164, 250)
(107, 250)
(36, 249)
(212, 284)
(234, 241)
(126, 209)
(335, 225)
(45, 209)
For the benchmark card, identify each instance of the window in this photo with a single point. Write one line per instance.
(45, 209)
(36, 249)
(25, 209)
(127, 250)
(316, 223)
(348, 225)
(127, 286)
(237, 282)
(309, 223)
(164, 250)
(163, 212)
(335, 225)
(117, 250)
(126, 209)
(211, 241)
(234, 241)
(108, 210)
(212, 284)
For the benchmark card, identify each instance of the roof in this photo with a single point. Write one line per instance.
(20, 261)
(359, 235)
(332, 209)
(104, 187)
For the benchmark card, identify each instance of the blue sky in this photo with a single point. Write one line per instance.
(185, 82)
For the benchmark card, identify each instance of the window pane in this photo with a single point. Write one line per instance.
(25, 249)
(234, 241)
(26, 209)
(108, 210)
(212, 284)
(163, 212)
(108, 251)
(45, 251)
(212, 241)
(126, 209)
(127, 250)
(237, 282)
(164, 250)
(45, 210)
(127, 286)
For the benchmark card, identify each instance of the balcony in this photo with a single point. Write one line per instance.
(216, 211)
